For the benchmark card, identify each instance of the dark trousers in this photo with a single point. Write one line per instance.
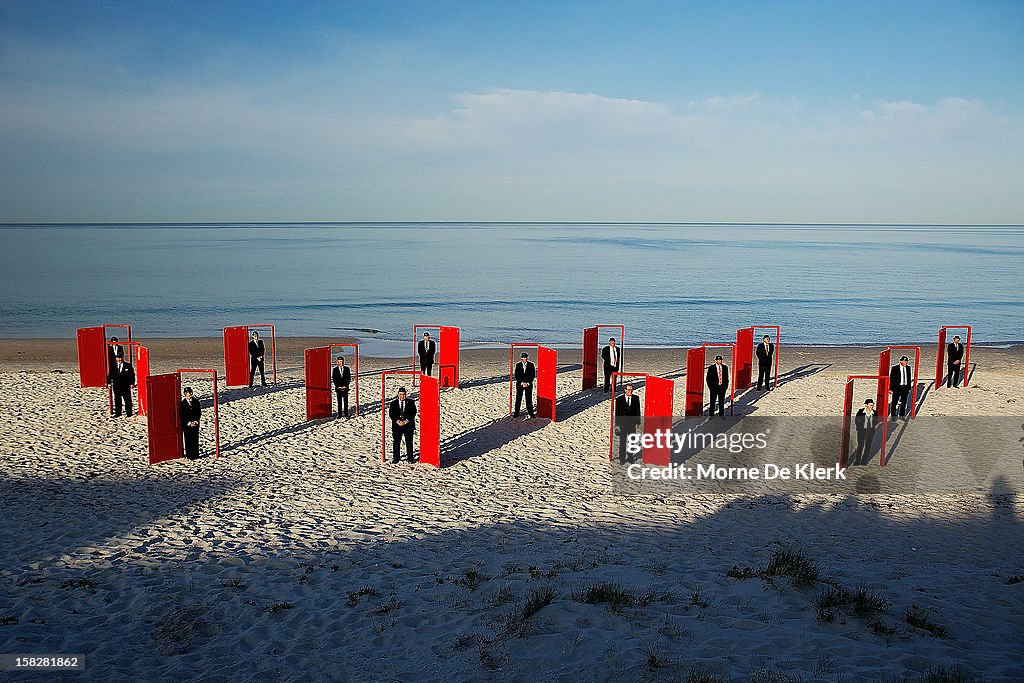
(764, 375)
(123, 396)
(342, 401)
(626, 427)
(899, 400)
(253, 364)
(426, 367)
(718, 394)
(191, 436)
(952, 375)
(397, 434)
(520, 391)
(865, 438)
(608, 378)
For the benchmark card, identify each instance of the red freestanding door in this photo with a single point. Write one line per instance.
(92, 357)
(884, 360)
(744, 361)
(844, 447)
(547, 374)
(429, 414)
(448, 356)
(163, 422)
(590, 358)
(236, 356)
(318, 383)
(658, 416)
(141, 374)
(694, 382)
(940, 356)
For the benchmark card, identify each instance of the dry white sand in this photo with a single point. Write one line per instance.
(298, 556)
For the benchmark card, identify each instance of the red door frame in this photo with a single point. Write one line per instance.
(732, 372)
(448, 354)
(881, 410)
(546, 378)
(885, 365)
(234, 357)
(940, 355)
(216, 412)
(653, 419)
(92, 353)
(591, 344)
(429, 420)
(139, 355)
(310, 403)
(778, 345)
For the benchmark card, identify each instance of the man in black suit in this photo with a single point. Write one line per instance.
(113, 349)
(612, 357)
(402, 412)
(121, 383)
(866, 421)
(954, 362)
(190, 413)
(765, 356)
(256, 353)
(341, 377)
(426, 350)
(627, 421)
(901, 381)
(525, 374)
(718, 381)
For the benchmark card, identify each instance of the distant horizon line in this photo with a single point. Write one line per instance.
(242, 223)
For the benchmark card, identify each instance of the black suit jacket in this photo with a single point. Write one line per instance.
(527, 374)
(123, 380)
(395, 413)
(189, 411)
(894, 378)
(712, 377)
(954, 353)
(426, 351)
(606, 355)
(861, 419)
(765, 357)
(627, 408)
(341, 379)
(256, 348)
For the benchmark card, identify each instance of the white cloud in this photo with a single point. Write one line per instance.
(726, 103)
(903, 120)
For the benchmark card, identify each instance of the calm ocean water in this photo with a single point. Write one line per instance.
(669, 284)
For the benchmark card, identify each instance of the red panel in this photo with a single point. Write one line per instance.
(547, 372)
(92, 357)
(164, 421)
(236, 356)
(744, 361)
(694, 382)
(318, 383)
(940, 358)
(141, 373)
(590, 358)
(884, 363)
(658, 416)
(429, 414)
(883, 414)
(448, 356)
(844, 449)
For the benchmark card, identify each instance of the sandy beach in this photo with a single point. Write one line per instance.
(299, 556)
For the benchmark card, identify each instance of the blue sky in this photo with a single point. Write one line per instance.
(674, 111)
